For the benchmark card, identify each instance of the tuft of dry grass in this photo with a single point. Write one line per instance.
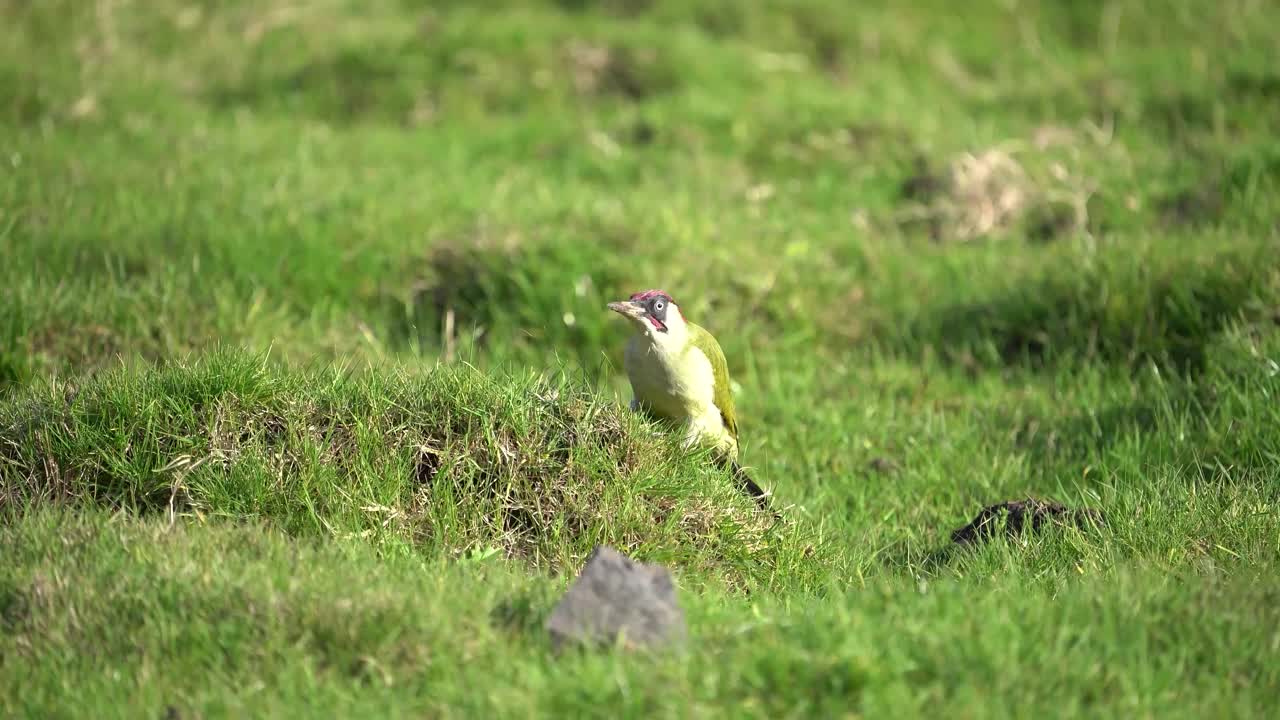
(1033, 186)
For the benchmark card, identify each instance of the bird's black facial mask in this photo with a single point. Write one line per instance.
(656, 307)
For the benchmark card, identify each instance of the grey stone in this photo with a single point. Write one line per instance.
(617, 597)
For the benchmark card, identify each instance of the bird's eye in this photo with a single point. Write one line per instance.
(659, 304)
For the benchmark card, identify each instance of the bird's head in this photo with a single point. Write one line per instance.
(654, 314)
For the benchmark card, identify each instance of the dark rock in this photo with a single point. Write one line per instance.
(924, 184)
(1052, 221)
(1019, 512)
(643, 133)
(882, 465)
(1194, 206)
(616, 597)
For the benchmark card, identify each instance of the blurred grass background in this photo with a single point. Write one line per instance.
(953, 257)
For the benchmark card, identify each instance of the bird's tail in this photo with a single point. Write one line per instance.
(749, 486)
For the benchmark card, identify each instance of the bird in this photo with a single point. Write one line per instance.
(678, 375)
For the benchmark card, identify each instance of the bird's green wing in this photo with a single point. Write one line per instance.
(723, 397)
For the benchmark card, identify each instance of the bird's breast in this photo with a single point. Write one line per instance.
(677, 385)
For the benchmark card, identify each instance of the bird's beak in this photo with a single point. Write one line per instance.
(633, 310)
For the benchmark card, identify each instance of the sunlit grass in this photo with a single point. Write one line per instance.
(310, 403)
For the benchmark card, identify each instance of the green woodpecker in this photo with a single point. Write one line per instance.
(678, 374)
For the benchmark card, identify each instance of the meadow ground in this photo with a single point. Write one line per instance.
(310, 403)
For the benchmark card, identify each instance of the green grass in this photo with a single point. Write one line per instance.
(310, 404)
(224, 623)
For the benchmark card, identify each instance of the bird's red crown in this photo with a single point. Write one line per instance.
(647, 294)
(644, 295)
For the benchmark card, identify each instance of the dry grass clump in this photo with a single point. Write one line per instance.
(1035, 187)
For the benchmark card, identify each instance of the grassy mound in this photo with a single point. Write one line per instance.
(450, 463)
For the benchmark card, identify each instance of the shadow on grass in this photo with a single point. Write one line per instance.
(523, 613)
(525, 296)
(1215, 429)
(415, 81)
(346, 87)
(1124, 316)
(1204, 425)
(1078, 438)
